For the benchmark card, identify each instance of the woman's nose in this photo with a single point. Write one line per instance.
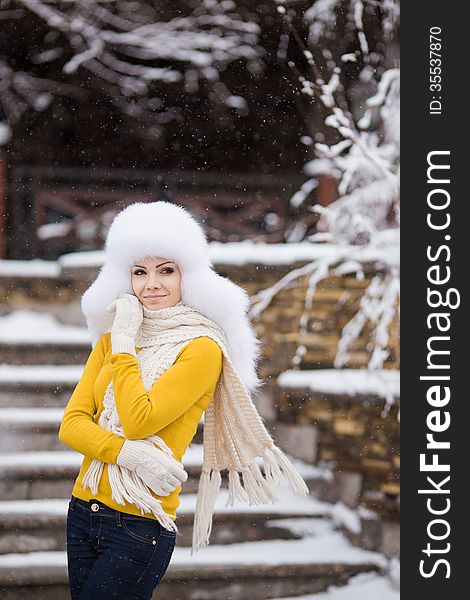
(154, 284)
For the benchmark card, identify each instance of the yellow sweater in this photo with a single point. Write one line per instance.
(171, 409)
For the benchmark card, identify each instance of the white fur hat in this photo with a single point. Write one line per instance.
(147, 230)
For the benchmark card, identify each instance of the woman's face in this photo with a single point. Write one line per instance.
(156, 282)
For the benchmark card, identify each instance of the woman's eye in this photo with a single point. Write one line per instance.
(167, 269)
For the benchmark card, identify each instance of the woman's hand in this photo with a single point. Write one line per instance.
(159, 471)
(126, 323)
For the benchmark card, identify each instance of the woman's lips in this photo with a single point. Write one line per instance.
(155, 297)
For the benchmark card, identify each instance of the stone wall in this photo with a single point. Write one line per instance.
(358, 434)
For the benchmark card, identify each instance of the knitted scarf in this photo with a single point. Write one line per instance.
(235, 437)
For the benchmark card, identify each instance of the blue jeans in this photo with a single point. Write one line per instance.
(112, 554)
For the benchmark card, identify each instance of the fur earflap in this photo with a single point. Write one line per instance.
(147, 230)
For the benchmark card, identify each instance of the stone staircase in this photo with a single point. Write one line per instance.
(261, 552)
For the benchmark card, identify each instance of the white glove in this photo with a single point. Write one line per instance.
(159, 471)
(126, 323)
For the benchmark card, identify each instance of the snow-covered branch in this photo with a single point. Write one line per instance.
(377, 309)
(363, 159)
(368, 161)
(134, 48)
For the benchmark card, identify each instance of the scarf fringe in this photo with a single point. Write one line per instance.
(256, 489)
(208, 490)
(272, 470)
(235, 489)
(93, 476)
(276, 459)
(260, 491)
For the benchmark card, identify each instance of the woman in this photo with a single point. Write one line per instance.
(171, 341)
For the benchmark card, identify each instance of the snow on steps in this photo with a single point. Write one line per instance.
(40, 374)
(31, 337)
(37, 385)
(257, 570)
(30, 429)
(359, 587)
(316, 556)
(377, 382)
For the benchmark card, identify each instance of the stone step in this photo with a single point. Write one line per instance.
(37, 385)
(27, 429)
(44, 353)
(35, 394)
(237, 582)
(257, 570)
(378, 534)
(40, 525)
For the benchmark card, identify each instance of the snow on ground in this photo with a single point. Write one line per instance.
(247, 251)
(30, 268)
(328, 547)
(302, 526)
(31, 415)
(365, 586)
(58, 374)
(380, 382)
(5, 133)
(32, 559)
(32, 326)
(42, 458)
(91, 258)
(342, 515)
(43, 506)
